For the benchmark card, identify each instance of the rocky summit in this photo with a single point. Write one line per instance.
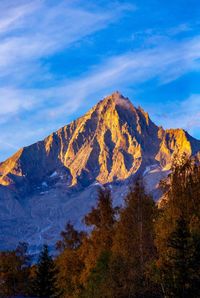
(44, 185)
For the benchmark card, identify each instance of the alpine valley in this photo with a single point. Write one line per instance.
(44, 185)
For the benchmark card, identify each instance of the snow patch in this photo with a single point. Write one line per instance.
(149, 169)
(44, 184)
(97, 183)
(44, 192)
(54, 174)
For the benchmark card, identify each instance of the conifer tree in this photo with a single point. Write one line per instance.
(178, 266)
(180, 270)
(178, 231)
(45, 279)
(195, 265)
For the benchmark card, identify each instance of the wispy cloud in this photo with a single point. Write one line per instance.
(134, 68)
(32, 31)
(13, 101)
(184, 114)
(114, 73)
(184, 27)
(13, 16)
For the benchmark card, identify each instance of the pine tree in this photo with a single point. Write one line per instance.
(45, 279)
(178, 266)
(195, 265)
(178, 231)
(181, 268)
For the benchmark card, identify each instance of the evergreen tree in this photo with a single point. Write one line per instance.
(178, 231)
(178, 267)
(180, 270)
(45, 279)
(195, 265)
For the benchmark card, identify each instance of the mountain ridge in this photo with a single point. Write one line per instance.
(74, 146)
(111, 143)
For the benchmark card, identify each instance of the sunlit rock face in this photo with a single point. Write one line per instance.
(54, 180)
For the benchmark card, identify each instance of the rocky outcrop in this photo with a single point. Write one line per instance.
(109, 144)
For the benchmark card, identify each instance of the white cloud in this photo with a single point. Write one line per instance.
(132, 68)
(46, 29)
(188, 114)
(184, 27)
(13, 101)
(179, 114)
(13, 16)
(53, 29)
(116, 72)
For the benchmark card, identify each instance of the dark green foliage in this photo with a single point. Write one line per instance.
(178, 233)
(195, 265)
(178, 267)
(44, 284)
(181, 271)
(98, 278)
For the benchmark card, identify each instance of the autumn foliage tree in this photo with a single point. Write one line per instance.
(14, 271)
(133, 246)
(69, 261)
(140, 250)
(101, 219)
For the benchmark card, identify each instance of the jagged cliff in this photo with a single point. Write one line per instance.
(109, 144)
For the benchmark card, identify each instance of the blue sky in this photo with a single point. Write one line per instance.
(58, 58)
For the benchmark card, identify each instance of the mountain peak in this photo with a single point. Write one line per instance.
(114, 100)
(116, 96)
(109, 144)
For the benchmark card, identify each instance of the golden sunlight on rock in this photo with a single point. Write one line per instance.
(111, 142)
